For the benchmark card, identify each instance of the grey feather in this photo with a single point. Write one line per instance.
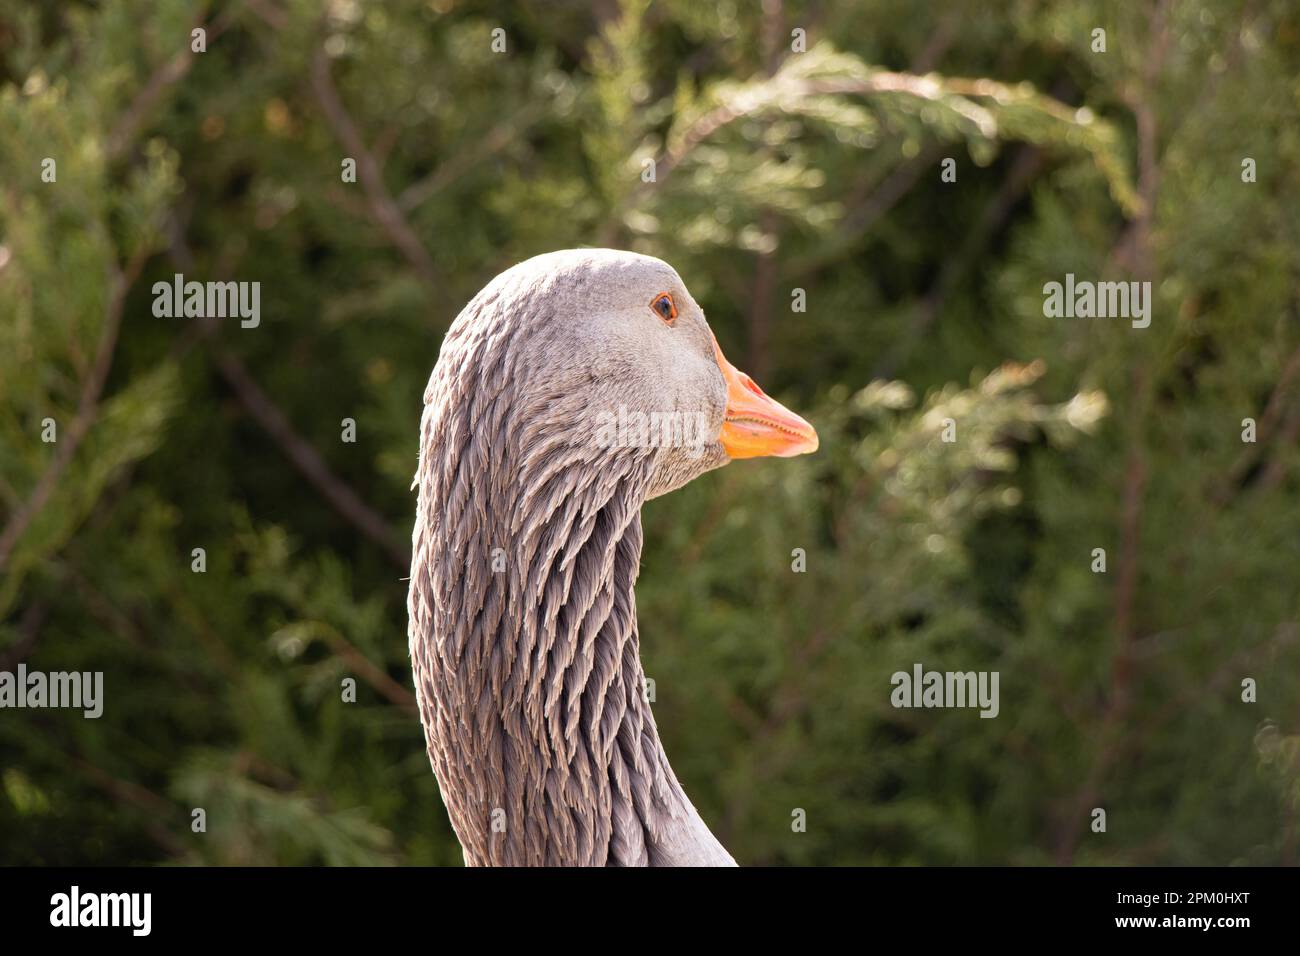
(529, 679)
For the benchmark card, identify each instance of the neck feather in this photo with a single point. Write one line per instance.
(523, 639)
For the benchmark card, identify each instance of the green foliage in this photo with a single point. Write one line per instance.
(773, 171)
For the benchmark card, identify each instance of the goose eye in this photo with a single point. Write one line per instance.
(663, 305)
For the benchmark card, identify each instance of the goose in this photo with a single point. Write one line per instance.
(544, 429)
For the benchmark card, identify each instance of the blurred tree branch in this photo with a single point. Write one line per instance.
(306, 459)
(383, 209)
(300, 452)
(119, 281)
(1251, 454)
(465, 160)
(1028, 163)
(168, 74)
(1140, 251)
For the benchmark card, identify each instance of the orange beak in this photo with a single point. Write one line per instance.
(756, 425)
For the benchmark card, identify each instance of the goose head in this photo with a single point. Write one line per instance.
(571, 389)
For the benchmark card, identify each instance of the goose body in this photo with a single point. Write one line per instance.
(572, 388)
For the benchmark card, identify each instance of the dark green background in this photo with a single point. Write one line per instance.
(776, 171)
